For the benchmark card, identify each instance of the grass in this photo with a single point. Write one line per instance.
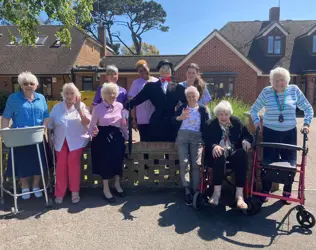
(238, 105)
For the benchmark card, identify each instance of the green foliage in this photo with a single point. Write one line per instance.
(147, 49)
(239, 108)
(3, 99)
(25, 14)
(137, 16)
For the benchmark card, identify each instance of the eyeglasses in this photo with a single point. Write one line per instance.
(29, 84)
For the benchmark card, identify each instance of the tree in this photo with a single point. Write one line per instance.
(142, 17)
(138, 16)
(25, 14)
(147, 50)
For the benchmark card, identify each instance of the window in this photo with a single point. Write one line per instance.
(40, 40)
(57, 43)
(274, 45)
(16, 42)
(45, 86)
(87, 83)
(220, 87)
(15, 85)
(314, 44)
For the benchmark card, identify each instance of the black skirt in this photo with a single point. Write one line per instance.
(26, 160)
(107, 152)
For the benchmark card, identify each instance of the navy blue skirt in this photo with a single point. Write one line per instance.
(26, 161)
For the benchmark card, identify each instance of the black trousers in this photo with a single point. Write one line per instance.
(143, 131)
(275, 154)
(238, 162)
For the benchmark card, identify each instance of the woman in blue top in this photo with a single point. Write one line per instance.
(26, 109)
(194, 79)
(279, 121)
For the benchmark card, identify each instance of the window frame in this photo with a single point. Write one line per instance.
(14, 81)
(43, 80)
(272, 42)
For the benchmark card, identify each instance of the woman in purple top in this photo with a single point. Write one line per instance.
(111, 76)
(108, 146)
(143, 111)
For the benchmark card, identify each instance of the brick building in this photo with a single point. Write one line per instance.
(50, 60)
(236, 60)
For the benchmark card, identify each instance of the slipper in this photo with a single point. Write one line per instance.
(241, 204)
(75, 198)
(26, 196)
(38, 194)
(59, 200)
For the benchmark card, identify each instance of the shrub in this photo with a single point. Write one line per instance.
(3, 99)
(238, 105)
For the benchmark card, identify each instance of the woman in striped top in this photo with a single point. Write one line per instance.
(279, 121)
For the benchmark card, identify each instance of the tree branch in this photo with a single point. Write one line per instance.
(132, 52)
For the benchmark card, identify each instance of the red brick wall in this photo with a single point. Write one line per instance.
(89, 54)
(215, 56)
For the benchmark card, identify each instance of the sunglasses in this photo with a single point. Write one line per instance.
(29, 84)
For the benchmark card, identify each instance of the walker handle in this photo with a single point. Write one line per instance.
(256, 137)
(305, 139)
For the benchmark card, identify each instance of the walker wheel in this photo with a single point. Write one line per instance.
(305, 219)
(50, 204)
(198, 200)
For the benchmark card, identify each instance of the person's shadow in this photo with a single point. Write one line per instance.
(89, 198)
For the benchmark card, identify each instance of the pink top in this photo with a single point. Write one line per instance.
(105, 114)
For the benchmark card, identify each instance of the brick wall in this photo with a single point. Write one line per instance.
(215, 56)
(6, 84)
(89, 54)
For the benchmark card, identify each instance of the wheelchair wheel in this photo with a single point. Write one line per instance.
(198, 200)
(254, 205)
(305, 219)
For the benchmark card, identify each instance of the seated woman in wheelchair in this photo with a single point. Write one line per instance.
(280, 101)
(227, 140)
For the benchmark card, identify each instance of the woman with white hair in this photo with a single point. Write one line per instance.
(190, 120)
(26, 109)
(108, 146)
(280, 101)
(112, 75)
(227, 140)
(69, 122)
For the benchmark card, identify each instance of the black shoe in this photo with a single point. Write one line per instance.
(109, 200)
(120, 194)
(188, 199)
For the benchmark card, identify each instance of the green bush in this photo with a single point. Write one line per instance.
(3, 99)
(239, 108)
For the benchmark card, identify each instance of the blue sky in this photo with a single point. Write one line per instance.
(190, 21)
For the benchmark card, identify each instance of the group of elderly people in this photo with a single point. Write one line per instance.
(226, 139)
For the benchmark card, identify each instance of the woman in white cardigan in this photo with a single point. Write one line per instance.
(69, 121)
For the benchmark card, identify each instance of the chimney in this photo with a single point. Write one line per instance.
(274, 14)
(102, 39)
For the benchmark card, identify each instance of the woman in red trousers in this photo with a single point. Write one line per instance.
(69, 122)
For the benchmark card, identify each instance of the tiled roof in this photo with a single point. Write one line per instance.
(297, 58)
(41, 59)
(128, 63)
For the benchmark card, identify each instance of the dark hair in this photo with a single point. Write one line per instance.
(198, 82)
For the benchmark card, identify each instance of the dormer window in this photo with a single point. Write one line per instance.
(314, 43)
(40, 40)
(16, 42)
(274, 45)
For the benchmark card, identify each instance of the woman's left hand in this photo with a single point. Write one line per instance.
(246, 145)
(77, 103)
(305, 128)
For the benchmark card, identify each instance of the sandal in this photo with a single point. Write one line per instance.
(241, 204)
(75, 198)
(59, 200)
